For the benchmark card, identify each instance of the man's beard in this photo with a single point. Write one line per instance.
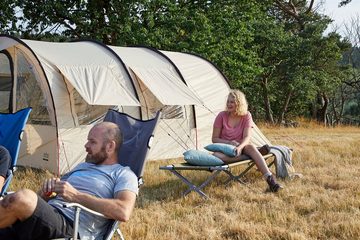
(97, 158)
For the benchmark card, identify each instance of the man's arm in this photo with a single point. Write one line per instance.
(119, 208)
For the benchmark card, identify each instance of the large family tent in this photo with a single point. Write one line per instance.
(71, 85)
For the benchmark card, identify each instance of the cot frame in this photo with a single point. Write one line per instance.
(214, 170)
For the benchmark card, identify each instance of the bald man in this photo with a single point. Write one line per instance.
(100, 183)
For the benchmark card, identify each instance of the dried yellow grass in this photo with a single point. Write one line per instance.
(324, 204)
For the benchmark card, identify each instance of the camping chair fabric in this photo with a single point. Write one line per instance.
(214, 170)
(137, 137)
(11, 129)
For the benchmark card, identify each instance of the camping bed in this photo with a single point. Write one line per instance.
(176, 169)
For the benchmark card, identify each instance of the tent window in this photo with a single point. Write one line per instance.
(29, 93)
(150, 104)
(87, 113)
(5, 83)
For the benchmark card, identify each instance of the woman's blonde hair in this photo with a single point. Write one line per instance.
(240, 100)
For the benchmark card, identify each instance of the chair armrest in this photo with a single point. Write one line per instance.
(76, 205)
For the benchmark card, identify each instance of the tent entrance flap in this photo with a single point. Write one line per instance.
(166, 87)
(98, 86)
(100, 80)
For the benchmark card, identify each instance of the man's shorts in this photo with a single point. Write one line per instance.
(45, 223)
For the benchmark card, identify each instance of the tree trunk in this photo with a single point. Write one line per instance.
(313, 109)
(341, 111)
(268, 113)
(285, 107)
(336, 118)
(321, 112)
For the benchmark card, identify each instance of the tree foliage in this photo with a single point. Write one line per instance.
(275, 51)
(8, 16)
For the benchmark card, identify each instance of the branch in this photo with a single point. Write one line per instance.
(66, 18)
(292, 6)
(286, 10)
(310, 6)
(292, 12)
(353, 84)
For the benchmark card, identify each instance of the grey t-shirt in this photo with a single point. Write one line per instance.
(102, 181)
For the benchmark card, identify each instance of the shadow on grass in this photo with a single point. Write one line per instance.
(173, 188)
(169, 190)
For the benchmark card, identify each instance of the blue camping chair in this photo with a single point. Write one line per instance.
(137, 137)
(11, 129)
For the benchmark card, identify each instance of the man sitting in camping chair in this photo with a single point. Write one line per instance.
(100, 184)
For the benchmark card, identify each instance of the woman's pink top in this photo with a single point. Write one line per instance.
(232, 133)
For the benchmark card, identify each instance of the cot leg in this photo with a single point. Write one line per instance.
(232, 177)
(242, 174)
(238, 177)
(193, 187)
(270, 164)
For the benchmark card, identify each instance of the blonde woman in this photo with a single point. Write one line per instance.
(234, 126)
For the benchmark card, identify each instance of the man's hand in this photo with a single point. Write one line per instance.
(54, 186)
(48, 188)
(66, 191)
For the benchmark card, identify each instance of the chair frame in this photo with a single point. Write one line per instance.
(215, 171)
(78, 209)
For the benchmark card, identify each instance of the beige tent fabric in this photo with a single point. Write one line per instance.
(258, 138)
(6, 42)
(91, 69)
(60, 94)
(158, 75)
(209, 85)
(72, 150)
(39, 148)
(166, 86)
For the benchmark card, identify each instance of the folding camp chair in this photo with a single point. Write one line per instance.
(214, 170)
(11, 129)
(137, 137)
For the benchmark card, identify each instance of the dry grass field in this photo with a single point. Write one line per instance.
(324, 204)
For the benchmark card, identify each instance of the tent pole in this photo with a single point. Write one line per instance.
(196, 139)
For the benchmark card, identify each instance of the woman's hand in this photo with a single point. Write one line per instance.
(234, 143)
(238, 150)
